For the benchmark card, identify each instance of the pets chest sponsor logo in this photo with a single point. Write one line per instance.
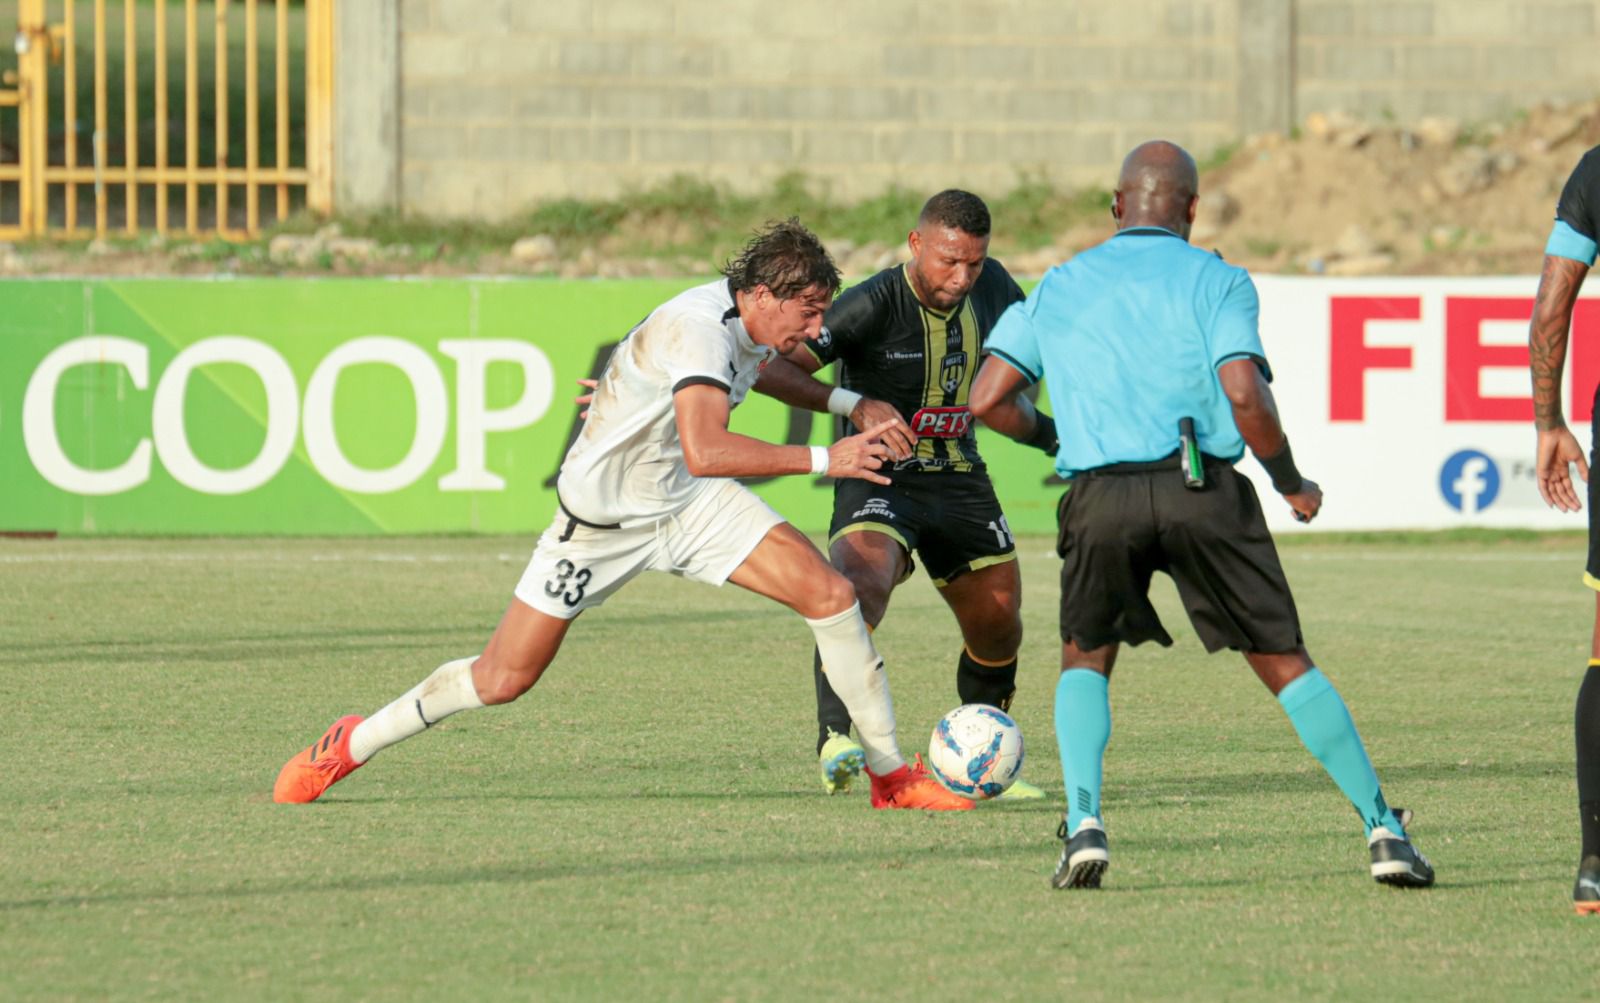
(942, 422)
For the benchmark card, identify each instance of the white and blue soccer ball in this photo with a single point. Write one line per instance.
(976, 751)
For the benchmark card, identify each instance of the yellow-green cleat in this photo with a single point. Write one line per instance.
(1021, 790)
(840, 761)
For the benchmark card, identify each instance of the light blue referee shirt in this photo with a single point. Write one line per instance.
(1127, 337)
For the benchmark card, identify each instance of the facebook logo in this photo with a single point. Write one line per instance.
(1469, 481)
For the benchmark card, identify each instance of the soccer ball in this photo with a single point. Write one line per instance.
(976, 751)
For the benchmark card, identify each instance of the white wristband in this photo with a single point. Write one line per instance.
(819, 460)
(841, 401)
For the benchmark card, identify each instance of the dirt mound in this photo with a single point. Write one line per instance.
(1343, 197)
(1338, 197)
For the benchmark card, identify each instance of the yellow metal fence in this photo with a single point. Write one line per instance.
(137, 141)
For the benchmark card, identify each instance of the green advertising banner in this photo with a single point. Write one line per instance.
(322, 407)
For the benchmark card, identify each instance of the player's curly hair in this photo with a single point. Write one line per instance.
(786, 258)
(957, 210)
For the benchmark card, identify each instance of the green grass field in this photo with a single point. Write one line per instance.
(646, 824)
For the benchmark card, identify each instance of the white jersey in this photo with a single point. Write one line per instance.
(627, 467)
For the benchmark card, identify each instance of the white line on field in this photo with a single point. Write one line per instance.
(1331, 555)
(259, 558)
(1458, 558)
(383, 557)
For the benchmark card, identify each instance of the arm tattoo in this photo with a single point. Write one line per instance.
(1547, 336)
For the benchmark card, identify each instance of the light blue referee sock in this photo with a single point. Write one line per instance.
(1324, 724)
(1083, 727)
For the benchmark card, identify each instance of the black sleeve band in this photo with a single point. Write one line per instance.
(1286, 478)
(1027, 374)
(701, 381)
(1044, 434)
(1260, 361)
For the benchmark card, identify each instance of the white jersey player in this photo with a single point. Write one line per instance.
(648, 486)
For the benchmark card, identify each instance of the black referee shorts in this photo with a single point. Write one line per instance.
(1117, 529)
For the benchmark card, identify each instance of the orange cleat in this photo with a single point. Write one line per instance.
(913, 787)
(1586, 893)
(307, 775)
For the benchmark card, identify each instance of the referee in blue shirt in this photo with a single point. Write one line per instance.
(1157, 380)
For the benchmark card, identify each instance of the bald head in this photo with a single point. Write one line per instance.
(1157, 187)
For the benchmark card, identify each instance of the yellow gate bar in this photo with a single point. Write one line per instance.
(161, 114)
(171, 175)
(252, 118)
(280, 108)
(221, 86)
(191, 114)
(33, 85)
(69, 98)
(100, 116)
(130, 108)
(319, 105)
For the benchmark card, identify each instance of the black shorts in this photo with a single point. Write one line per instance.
(950, 519)
(1591, 570)
(1117, 529)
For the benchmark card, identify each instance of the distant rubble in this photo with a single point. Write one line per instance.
(1338, 196)
(1345, 197)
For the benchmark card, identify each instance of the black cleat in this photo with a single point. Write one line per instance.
(1084, 858)
(1403, 815)
(1396, 862)
(1586, 891)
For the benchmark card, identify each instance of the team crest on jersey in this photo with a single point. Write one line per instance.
(824, 337)
(951, 370)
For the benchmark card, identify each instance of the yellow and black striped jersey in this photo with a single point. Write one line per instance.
(891, 347)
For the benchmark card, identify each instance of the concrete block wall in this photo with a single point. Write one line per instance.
(1472, 60)
(501, 104)
(506, 103)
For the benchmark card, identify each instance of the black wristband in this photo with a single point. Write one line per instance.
(1286, 478)
(1044, 434)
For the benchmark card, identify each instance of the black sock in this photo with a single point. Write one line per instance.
(831, 712)
(1586, 727)
(994, 685)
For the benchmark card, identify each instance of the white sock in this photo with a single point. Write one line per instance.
(447, 690)
(856, 673)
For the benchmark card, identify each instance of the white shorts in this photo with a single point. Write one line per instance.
(576, 567)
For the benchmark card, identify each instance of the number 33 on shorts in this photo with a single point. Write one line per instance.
(568, 583)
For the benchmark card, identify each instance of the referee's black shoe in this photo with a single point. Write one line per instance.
(1084, 857)
(1586, 891)
(1396, 862)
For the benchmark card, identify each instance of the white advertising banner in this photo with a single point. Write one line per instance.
(1408, 399)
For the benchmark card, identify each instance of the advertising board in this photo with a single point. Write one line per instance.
(362, 406)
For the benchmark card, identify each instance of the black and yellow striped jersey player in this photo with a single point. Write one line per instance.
(908, 342)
